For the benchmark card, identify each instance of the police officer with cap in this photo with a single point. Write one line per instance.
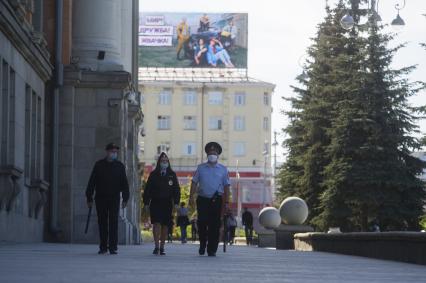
(107, 181)
(211, 182)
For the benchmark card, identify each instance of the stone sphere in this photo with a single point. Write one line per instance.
(269, 217)
(293, 211)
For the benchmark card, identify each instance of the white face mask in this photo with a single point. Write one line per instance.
(212, 158)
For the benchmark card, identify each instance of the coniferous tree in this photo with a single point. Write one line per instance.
(350, 132)
(310, 117)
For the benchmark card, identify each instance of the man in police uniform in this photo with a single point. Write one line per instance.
(211, 181)
(108, 180)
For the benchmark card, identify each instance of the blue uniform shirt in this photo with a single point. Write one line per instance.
(211, 178)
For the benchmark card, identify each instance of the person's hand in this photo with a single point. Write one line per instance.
(89, 204)
(124, 204)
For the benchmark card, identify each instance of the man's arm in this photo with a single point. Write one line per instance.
(125, 188)
(192, 193)
(91, 186)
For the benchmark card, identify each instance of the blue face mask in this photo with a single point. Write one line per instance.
(164, 165)
(113, 156)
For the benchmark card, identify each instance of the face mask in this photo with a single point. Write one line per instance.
(113, 156)
(164, 165)
(212, 158)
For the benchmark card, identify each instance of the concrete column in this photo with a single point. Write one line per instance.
(126, 35)
(97, 26)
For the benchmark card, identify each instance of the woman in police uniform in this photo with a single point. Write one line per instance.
(162, 191)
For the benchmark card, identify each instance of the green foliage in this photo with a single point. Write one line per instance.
(423, 222)
(351, 132)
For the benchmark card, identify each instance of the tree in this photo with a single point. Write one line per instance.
(351, 134)
(311, 115)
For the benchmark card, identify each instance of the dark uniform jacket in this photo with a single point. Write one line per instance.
(247, 219)
(108, 179)
(159, 186)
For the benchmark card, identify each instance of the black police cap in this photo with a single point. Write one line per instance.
(213, 146)
(111, 146)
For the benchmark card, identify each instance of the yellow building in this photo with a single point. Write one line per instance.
(183, 113)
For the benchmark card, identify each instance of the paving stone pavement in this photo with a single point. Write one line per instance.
(56, 263)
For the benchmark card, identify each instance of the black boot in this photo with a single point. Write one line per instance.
(156, 251)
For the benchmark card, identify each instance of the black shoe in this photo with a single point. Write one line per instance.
(162, 251)
(202, 249)
(101, 252)
(211, 254)
(156, 251)
(113, 252)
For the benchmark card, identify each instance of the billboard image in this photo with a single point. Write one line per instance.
(188, 40)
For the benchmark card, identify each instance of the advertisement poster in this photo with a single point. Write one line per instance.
(190, 40)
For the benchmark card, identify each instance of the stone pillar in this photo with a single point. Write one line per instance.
(126, 35)
(94, 111)
(97, 28)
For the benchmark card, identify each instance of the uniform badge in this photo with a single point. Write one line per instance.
(170, 183)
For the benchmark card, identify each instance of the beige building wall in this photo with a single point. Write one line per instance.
(254, 135)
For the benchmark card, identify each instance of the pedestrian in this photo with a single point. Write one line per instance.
(194, 228)
(107, 180)
(211, 182)
(247, 221)
(182, 221)
(162, 191)
(232, 225)
(170, 232)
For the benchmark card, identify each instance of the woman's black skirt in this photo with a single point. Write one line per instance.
(161, 210)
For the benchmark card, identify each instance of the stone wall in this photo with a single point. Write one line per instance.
(24, 70)
(93, 112)
(399, 246)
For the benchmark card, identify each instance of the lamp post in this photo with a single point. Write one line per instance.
(347, 22)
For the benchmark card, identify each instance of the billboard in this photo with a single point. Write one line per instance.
(188, 40)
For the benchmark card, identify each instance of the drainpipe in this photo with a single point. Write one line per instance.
(59, 80)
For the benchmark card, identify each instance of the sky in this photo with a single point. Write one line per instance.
(280, 31)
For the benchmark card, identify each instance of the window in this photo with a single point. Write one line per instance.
(7, 113)
(215, 98)
(165, 97)
(266, 98)
(240, 98)
(265, 123)
(189, 148)
(215, 123)
(163, 122)
(239, 123)
(189, 123)
(190, 97)
(239, 148)
(33, 135)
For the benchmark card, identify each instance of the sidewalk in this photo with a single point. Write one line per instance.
(52, 263)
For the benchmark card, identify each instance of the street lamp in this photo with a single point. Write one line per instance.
(303, 76)
(347, 22)
(398, 23)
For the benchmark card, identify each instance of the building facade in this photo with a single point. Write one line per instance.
(182, 116)
(68, 87)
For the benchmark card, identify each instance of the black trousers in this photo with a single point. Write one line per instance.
(249, 234)
(107, 210)
(209, 222)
